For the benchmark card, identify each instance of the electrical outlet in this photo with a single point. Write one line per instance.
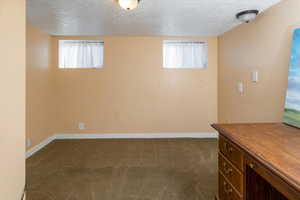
(240, 87)
(28, 142)
(81, 126)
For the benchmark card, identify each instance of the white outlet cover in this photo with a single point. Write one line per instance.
(81, 126)
(241, 87)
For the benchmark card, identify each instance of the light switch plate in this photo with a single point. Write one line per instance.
(254, 76)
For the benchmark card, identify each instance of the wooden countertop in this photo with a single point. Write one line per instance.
(277, 146)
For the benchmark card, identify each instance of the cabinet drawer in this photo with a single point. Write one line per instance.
(231, 152)
(231, 173)
(226, 191)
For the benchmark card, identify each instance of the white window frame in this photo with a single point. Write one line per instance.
(204, 59)
(60, 59)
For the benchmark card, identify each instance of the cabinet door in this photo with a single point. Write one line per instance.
(262, 184)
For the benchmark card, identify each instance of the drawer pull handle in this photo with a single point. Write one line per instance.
(228, 148)
(228, 191)
(228, 171)
(252, 165)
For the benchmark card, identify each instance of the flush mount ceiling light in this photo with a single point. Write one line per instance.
(247, 15)
(128, 4)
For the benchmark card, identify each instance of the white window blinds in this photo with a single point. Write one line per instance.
(185, 54)
(81, 53)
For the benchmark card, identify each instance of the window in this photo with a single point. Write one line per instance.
(185, 54)
(81, 53)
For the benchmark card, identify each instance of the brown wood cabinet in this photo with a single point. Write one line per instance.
(258, 162)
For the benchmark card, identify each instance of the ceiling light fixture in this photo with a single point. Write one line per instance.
(247, 15)
(128, 4)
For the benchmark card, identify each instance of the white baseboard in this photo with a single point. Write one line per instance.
(135, 135)
(38, 147)
(64, 136)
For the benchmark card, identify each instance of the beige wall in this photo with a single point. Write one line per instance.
(263, 45)
(12, 101)
(39, 86)
(133, 94)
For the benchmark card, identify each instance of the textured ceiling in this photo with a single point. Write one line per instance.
(203, 18)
